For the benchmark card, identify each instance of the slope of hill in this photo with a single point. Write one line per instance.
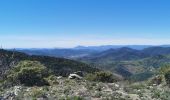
(129, 62)
(152, 51)
(155, 61)
(111, 55)
(126, 54)
(86, 90)
(59, 66)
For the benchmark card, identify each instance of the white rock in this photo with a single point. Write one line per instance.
(154, 84)
(138, 90)
(17, 89)
(59, 77)
(116, 85)
(73, 76)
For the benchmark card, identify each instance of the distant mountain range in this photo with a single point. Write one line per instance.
(106, 47)
(80, 51)
(126, 54)
(129, 61)
(64, 53)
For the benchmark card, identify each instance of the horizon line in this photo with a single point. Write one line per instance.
(74, 47)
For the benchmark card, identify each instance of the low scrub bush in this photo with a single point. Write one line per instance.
(29, 73)
(101, 77)
(167, 78)
(165, 71)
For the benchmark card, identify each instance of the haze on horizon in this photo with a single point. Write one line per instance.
(69, 23)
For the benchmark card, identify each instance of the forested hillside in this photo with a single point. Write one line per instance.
(59, 66)
(130, 62)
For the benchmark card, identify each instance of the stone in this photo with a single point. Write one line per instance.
(17, 89)
(80, 73)
(74, 76)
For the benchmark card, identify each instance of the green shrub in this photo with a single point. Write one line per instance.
(52, 80)
(101, 77)
(138, 86)
(141, 76)
(157, 80)
(36, 93)
(167, 77)
(29, 73)
(164, 69)
(72, 98)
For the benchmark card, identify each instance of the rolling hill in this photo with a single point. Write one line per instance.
(130, 62)
(59, 66)
(125, 54)
(153, 51)
(120, 54)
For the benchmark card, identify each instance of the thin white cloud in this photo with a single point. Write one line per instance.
(53, 41)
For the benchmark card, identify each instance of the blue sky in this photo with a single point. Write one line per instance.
(68, 23)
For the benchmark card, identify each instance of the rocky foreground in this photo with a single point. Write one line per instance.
(73, 89)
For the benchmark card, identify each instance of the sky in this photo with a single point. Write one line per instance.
(69, 23)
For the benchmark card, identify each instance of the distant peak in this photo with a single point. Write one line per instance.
(125, 48)
(80, 47)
